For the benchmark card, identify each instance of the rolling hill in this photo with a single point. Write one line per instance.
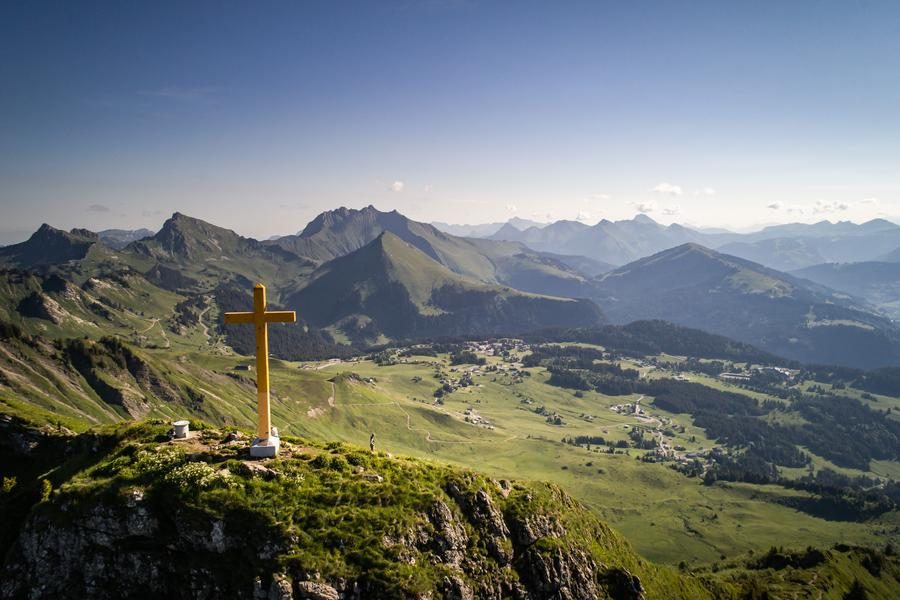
(698, 287)
(391, 289)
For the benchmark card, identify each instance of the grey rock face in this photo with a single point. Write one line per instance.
(450, 540)
(316, 591)
(493, 547)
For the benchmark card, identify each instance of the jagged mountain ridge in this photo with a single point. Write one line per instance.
(485, 229)
(783, 247)
(615, 242)
(49, 246)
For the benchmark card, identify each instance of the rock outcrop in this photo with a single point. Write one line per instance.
(146, 527)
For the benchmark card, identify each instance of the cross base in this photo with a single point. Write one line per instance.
(265, 448)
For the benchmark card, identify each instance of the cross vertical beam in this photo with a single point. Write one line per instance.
(263, 410)
(260, 317)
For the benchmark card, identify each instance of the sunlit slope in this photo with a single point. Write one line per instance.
(336, 233)
(390, 288)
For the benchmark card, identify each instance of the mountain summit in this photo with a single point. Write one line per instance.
(49, 246)
(391, 288)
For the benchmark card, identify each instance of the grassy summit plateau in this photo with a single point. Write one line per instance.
(130, 513)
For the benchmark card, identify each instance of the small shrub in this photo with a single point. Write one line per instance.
(46, 489)
(338, 463)
(158, 461)
(195, 475)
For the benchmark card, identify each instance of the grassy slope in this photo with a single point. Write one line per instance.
(317, 498)
(654, 506)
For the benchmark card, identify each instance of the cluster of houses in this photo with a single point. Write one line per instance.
(783, 372)
(471, 416)
(629, 408)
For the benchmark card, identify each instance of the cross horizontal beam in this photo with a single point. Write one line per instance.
(270, 316)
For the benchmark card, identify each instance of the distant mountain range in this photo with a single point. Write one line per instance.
(614, 242)
(487, 229)
(783, 247)
(119, 238)
(366, 277)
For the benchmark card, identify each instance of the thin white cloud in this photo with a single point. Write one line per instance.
(98, 208)
(599, 196)
(427, 188)
(708, 191)
(667, 188)
(645, 207)
(512, 208)
(584, 217)
(822, 207)
(397, 186)
(671, 210)
(869, 201)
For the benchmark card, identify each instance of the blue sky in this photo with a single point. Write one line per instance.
(257, 116)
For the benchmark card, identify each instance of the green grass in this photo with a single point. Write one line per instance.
(661, 511)
(327, 517)
(652, 505)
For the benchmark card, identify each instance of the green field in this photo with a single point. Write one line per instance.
(668, 516)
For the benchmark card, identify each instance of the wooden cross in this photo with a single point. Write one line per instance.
(261, 318)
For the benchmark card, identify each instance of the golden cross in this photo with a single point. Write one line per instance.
(261, 318)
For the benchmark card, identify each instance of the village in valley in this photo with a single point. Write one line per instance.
(617, 425)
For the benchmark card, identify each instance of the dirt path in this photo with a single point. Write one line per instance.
(328, 364)
(203, 325)
(153, 322)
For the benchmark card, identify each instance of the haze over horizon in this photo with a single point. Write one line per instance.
(461, 112)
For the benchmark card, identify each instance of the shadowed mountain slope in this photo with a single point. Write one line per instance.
(49, 246)
(698, 287)
(875, 282)
(207, 254)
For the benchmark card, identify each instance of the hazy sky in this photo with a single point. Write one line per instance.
(258, 115)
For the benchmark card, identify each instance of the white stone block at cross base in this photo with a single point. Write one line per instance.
(266, 448)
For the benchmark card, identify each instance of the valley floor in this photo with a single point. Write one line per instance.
(492, 426)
